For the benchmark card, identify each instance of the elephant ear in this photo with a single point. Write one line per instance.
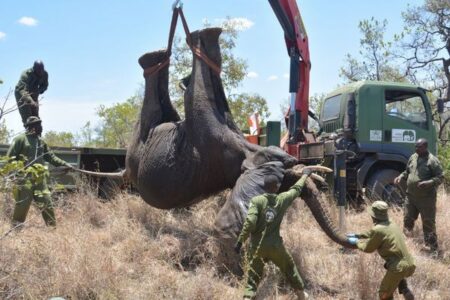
(231, 217)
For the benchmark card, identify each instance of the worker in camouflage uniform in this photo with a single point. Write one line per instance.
(30, 146)
(387, 238)
(423, 175)
(32, 83)
(262, 224)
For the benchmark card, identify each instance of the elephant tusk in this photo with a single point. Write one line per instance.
(299, 168)
(317, 177)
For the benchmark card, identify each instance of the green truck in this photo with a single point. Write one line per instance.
(91, 159)
(368, 132)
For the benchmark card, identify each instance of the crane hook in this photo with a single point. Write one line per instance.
(177, 4)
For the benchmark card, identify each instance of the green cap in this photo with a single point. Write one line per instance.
(379, 210)
(32, 120)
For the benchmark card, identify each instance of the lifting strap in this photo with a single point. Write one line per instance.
(178, 11)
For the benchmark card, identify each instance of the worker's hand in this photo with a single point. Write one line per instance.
(425, 184)
(397, 180)
(353, 240)
(307, 171)
(237, 247)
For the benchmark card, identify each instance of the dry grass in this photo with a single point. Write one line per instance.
(125, 249)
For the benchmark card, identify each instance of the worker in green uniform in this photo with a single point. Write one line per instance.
(387, 238)
(32, 83)
(35, 150)
(262, 224)
(423, 175)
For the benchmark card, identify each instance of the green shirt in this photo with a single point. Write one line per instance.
(387, 238)
(420, 169)
(34, 149)
(31, 84)
(265, 214)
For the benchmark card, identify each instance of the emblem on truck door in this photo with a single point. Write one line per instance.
(403, 136)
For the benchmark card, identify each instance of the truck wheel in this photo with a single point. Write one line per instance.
(380, 186)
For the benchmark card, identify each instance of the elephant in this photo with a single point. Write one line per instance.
(175, 163)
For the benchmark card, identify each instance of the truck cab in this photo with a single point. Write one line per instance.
(377, 124)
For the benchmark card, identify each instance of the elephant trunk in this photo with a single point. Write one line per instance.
(312, 198)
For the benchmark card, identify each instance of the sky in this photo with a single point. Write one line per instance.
(90, 48)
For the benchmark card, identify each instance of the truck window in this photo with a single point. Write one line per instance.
(406, 105)
(331, 108)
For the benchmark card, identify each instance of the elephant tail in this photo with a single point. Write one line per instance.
(114, 175)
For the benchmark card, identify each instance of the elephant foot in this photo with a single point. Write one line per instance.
(152, 59)
(207, 41)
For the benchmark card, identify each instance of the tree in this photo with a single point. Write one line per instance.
(376, 59)
(426, 43)
(5, 134)
(117, 123)
(85, 137)
(426, 46)
(61, 139)
(248, 103)
(234, 70)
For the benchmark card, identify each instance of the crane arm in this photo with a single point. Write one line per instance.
(296, 39)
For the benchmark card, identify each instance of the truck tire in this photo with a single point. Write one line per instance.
(380, 186)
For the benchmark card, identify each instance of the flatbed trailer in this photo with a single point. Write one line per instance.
(91, 159)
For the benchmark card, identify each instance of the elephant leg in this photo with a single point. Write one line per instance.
(157, 107)
(205, 100)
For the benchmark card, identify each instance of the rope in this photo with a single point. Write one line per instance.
(178, 11)
(195, 50)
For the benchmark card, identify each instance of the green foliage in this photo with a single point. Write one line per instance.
(376, 60)
(234, 70)
(243, 105)
(444, 158)
(5, 134)
(425, 44)
(61, 139)
(117, 123)
(85, 137)
(13, 171)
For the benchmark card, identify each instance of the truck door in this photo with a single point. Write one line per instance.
(407, 117)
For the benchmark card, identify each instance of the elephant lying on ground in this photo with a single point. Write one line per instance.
(176, 163)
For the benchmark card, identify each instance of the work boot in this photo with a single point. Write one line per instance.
(302, 295)
(408, 295)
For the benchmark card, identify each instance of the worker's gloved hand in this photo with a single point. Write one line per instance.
(425, 184)
(306, 171)
(237, 247)
(353, 240)
(352, 235)
(397, 180)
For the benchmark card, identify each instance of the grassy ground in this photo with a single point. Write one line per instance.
(125, 249)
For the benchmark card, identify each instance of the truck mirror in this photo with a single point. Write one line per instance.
(440, 105)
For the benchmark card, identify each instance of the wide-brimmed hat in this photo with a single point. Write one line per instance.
(32, 120)
(379, 210)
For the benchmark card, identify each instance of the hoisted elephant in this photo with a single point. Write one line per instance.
(176, 163)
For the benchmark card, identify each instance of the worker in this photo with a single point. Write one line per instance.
(423, 175)
(31, 146)
(33, 82)
(387, 238)
(262, 224)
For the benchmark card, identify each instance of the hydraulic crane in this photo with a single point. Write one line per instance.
(296, 39)
(299, 142)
